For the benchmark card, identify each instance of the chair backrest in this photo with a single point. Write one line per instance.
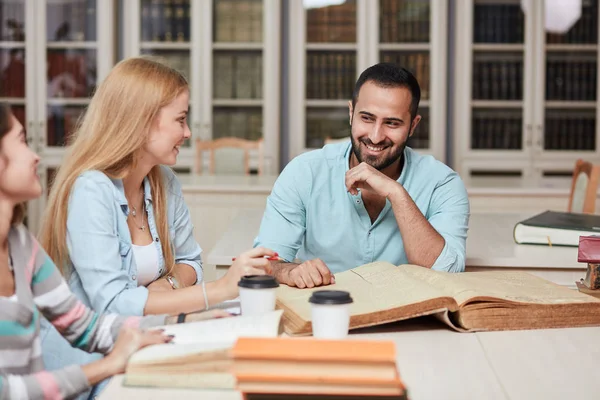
(584, 187)
(228, 142)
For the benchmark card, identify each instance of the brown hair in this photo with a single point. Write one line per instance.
(107, 139)
(5, 127)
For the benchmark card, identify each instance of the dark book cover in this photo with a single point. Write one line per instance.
(565, 220)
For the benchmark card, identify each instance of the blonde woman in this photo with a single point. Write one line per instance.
(116, 223)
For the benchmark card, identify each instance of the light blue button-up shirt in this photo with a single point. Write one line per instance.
(103, 272)
(310, 214)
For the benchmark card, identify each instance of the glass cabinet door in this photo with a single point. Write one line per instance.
(497, 76)
(12, 57)
(330, 71)
(569, 118)
(237, 69)
(71, 65)
(404, 39)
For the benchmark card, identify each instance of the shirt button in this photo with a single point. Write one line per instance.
(357, 201)
(156, 240)
(133, 277)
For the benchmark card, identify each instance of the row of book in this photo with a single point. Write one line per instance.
(237, 75)
(330, 75)
(496, 131)
(585, 29)
(74, 20)
(165, 20)
(571, 79)
(570, 133)
(237, 122)
(417, 63)
(12, 75)
(335, 23)
(238, 21)
(179, 60)
(12, 21)
(71, 73)
(498, 23)
(497, 80)
(404, 21)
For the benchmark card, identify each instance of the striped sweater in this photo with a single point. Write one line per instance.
(39, 288)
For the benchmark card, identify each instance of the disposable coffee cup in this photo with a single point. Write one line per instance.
(330, 311)
(257, 294)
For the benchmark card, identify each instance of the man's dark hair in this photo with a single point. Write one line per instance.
(387, 75)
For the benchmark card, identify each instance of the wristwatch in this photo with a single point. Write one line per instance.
(173, 281)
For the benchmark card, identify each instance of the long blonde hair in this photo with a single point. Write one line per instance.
(108, 138)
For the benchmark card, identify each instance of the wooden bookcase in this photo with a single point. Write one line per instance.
(52, 55)
(229, 51)
(526, 101)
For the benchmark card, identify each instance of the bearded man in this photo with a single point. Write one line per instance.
(370, 199)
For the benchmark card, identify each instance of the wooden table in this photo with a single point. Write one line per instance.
(490, 246)
(437, 363)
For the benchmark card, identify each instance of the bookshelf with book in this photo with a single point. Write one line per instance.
(525, 103)
(330, 46)
(51, 57)
(224, 48)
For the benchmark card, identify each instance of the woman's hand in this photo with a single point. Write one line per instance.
(252, 262)
(129, 341)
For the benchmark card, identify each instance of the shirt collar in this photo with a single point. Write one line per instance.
(121, 192)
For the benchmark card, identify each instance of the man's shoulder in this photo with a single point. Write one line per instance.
(428, 165)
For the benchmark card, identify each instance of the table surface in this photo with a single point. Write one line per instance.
(490, 243)
(438, 363)
(476, 186)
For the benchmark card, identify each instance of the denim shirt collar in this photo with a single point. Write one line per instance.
(120, 191)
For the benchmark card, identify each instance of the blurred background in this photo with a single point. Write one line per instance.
(503, 100)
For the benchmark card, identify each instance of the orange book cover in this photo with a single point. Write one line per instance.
(311, 349)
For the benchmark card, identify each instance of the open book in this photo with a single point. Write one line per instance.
(199, 356)
(468, 301)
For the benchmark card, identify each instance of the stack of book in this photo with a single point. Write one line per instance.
(245, 354)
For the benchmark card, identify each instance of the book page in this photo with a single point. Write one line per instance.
(225, 330)
(159, 352)
(210, 335)
(515, 286)
(374, 287)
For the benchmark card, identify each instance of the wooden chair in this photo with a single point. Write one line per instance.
(584, 187)
(228, 142)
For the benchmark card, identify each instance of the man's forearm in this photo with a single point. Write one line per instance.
(281, 270)
(422, 243)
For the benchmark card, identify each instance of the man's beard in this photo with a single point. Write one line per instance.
(378, 162)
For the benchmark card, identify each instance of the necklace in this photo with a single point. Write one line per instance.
(134, 214)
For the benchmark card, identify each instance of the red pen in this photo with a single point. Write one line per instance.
(272, 258)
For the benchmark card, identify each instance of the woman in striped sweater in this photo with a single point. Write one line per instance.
(30, 284)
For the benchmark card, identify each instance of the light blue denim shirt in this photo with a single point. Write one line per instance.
(102, 271)
(310, 214)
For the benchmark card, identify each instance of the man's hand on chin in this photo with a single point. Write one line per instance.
(309, 274)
